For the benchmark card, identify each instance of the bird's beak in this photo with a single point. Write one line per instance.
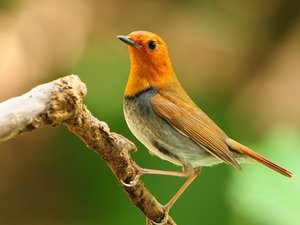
(128, 41)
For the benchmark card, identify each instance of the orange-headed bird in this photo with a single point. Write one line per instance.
(163, 117)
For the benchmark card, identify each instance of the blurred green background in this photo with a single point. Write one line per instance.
(239, 60)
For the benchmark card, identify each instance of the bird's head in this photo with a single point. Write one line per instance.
(150, 62)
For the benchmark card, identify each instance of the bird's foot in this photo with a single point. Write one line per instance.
(164, 220)
(133, 182)
(139, 173)
(187, 171)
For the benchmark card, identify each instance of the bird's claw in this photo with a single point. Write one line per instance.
(139, 173)
(133, 182)
(164, 220)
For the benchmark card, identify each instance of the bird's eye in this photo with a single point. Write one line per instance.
(152, 44)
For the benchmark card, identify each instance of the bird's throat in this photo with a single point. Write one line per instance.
(135, 84)
(146, 74)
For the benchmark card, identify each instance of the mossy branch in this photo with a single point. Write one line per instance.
(61, 102)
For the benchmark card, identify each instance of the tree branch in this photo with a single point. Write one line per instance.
(61, 102)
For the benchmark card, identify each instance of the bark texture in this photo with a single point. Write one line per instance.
(61, 102)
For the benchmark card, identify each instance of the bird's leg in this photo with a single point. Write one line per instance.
(187, 171)
(141, 171)
(193, 173)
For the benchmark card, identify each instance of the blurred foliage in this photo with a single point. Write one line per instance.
(262, 197)
(237, 60)
(4, 4)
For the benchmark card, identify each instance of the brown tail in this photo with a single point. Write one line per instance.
(232, 144)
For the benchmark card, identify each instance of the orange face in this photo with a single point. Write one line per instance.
(150, 62)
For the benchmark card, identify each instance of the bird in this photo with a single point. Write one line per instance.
(163, 117)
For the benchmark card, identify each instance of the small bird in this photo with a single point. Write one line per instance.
(163, 117)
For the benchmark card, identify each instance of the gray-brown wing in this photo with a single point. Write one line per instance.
(196, 125)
